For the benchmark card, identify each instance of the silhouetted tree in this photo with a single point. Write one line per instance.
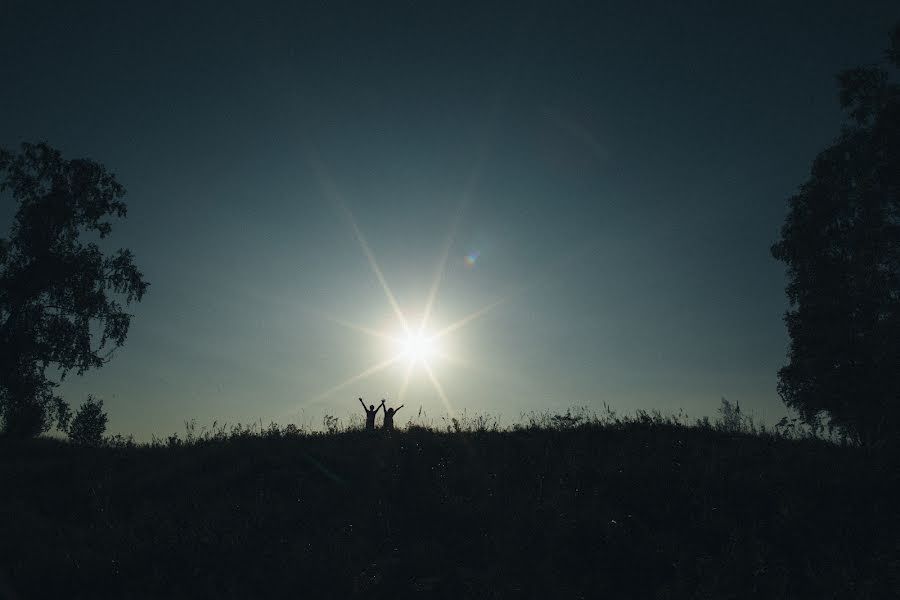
(841, 244)
(89, 423)
(61, 298)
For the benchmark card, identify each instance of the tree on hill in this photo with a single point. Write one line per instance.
(89, 423)
(841, 244)
(61, 298)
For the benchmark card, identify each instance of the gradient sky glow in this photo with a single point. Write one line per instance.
(614, 173)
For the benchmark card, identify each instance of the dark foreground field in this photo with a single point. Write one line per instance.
(627, 511)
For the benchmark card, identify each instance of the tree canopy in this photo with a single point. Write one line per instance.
(61, 298)
(841, 244)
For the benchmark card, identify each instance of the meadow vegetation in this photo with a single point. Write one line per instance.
(569, 505)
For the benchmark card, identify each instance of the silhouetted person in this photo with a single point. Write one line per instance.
(389, 416)
(370, 413)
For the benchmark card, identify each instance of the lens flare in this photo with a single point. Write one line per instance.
(471, 258)
(417, 348)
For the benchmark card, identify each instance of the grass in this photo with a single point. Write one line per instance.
(565, 506)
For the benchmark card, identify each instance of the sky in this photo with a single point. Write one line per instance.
(605, 180)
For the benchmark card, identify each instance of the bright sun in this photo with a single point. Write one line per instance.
(417, 347)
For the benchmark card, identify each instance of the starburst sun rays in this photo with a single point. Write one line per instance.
(417, 345)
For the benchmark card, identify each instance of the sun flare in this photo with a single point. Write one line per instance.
(418, 348)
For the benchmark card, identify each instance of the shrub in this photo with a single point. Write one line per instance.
(89, 423)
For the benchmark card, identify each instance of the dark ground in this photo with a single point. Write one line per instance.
(627, 511)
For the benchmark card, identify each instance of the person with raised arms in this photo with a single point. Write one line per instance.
(389, 417)
(371, 411)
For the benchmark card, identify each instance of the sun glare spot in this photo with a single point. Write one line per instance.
(418, 348)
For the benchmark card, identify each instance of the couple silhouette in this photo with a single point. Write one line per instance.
(371, 411)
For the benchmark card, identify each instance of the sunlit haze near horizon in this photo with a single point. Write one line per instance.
(465, 208)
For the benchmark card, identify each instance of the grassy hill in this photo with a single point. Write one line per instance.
(642, 508)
